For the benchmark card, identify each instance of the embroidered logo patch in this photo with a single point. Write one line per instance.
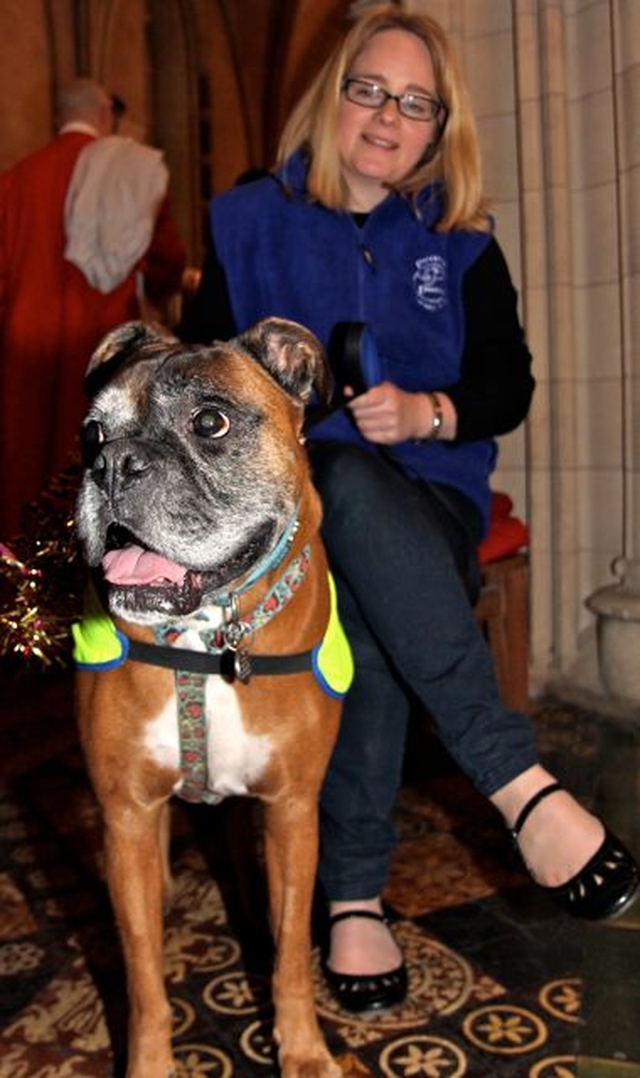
(429, 282)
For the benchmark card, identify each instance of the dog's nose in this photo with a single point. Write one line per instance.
(116, 467)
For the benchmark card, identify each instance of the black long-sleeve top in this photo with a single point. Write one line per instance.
(493, 394)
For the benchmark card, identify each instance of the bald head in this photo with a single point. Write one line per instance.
(86, 101)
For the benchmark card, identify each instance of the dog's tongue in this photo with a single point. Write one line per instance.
(133, 565)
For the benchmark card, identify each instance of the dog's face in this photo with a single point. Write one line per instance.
(193, 461)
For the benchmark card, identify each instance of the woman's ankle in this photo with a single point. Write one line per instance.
(511, 798)
(372, 905)
(362, 945)
(558, 836)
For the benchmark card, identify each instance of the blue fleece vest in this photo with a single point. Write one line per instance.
(285, 256)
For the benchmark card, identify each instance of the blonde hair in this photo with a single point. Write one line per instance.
(453, 162)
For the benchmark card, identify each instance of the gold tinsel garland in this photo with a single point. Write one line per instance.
(41, 577)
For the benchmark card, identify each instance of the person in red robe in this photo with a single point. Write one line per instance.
(51, 316)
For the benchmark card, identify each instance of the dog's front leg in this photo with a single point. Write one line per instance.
(291, 848)
(134, 867)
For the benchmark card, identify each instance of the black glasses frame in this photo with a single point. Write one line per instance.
(436, 105)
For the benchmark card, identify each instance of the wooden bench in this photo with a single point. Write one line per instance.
(503, 611)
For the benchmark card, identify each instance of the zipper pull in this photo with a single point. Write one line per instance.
(367, 254)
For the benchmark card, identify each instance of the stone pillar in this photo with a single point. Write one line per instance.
(617, 605)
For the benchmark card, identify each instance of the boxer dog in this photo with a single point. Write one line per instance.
(210, 659)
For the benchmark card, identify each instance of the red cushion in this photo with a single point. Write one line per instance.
(507, 534)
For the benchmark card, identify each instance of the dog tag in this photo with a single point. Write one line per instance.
(242, 665)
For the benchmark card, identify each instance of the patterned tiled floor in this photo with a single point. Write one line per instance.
(502, 986)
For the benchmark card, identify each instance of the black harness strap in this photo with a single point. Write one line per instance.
(201, 662)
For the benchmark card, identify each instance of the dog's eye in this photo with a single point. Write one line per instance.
(210, 423)
(92, 438)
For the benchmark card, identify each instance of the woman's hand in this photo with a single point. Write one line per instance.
(387, 415)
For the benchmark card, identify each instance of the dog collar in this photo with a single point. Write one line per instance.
(270, 561)
(227, 641)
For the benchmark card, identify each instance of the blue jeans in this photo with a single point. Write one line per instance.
(400, 561)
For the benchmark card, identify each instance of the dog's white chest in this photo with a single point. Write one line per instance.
(235, 759)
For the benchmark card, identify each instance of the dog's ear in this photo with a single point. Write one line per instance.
(292, 355)
(116, 348)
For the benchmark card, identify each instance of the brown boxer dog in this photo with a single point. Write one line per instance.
(198, 517)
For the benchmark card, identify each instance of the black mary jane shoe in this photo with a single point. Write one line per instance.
(359, 993)
(603, 888)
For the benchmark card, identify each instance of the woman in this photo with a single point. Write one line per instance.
(375, 215)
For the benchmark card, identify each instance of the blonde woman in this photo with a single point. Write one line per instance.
(375, 216)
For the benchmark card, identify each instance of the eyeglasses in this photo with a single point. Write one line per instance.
(414, 106)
